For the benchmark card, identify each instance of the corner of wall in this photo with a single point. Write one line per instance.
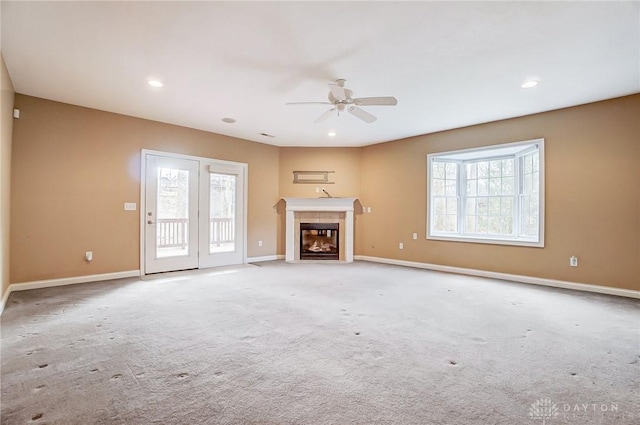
(6, 136)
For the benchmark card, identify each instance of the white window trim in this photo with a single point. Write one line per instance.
(464, 155)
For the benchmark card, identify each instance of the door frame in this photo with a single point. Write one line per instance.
(201, 160)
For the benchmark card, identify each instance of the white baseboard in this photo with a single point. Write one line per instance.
(24, 286)
(37, 284)
(5, 297)
(265, 258)
(629, 293)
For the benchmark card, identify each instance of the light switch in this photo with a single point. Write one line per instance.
(130, 206)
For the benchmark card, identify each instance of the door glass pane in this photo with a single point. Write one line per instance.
(222, 213)
(172, 222)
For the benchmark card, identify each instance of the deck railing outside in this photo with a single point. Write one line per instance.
(174, 232)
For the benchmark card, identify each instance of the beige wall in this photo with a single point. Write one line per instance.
(346, 162)
(73, 169)
(6, 130)
(592, 196)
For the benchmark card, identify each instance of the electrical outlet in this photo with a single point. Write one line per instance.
(401, 245)
(573, 261)
(88, 256)
(368, 209)
(259, 243)
(317, 190)
(415, 236)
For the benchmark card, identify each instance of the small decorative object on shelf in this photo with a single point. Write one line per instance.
(312, 177)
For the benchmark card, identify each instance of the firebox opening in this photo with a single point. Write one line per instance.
(319, 241)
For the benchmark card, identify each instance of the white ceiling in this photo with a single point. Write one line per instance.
(449, 64)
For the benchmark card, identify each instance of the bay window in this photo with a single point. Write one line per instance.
(492, 195)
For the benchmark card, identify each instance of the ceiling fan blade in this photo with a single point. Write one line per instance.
(337, 91)
(308, 103)
(362, 114)
(325, 115)
(381, 101)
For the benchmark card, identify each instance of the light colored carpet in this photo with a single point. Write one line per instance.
(282, 343)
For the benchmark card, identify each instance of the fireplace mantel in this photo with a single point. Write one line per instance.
(297, 205)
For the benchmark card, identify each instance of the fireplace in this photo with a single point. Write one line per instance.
(319, 241)
(336, 212)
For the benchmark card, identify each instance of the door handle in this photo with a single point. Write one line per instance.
(149, 221)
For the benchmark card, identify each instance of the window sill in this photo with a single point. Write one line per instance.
(493, 241)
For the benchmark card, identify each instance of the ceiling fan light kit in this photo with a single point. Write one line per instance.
(342, 99)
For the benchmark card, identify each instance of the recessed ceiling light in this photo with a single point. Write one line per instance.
(155, 83)
(529, 84)
(331, 134)
(228, 120)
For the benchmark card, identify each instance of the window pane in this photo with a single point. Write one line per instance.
(222, 213)
(495, 169)
(437, 187)
(495, 186)
(494, 206)
(452, 223)
(172, 223)
(471, 206)
(494, 225)
(483, 187)
(437, 169)
(452, 206)
(507, 186)
(506, 225)
(471, 224)
(472, 171)
(439, 223)
(471, 187)
(482, 206)
(450, 189)
(533, 206)
(451, 171)
(528, 164)
(481, 224)
(483, 169)
(530, 227)
(507, 168)
(440, 206)
(506, 208)
(528, 183)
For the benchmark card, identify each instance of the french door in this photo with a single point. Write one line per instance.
(193, 213)
(221, 214)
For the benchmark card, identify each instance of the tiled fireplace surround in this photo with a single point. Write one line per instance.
(319, 210)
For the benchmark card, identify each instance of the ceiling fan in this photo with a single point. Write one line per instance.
(342, 99)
